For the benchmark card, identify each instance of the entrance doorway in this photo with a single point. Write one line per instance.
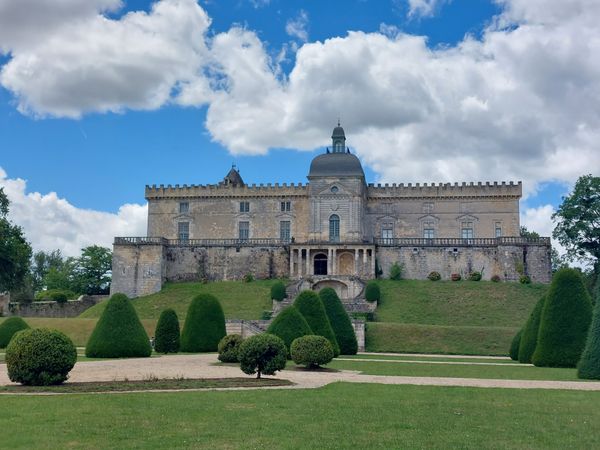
(320, 264)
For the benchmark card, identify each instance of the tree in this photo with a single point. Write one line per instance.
(278, 291)
(564, 323)
(262, 354)
(578, 221)
(530, 333)
(340, 321)
(42, 263)
(524, 232)
(514, 346)
(166, 336)
(94, 270)
(204, 325)
(312, 351)
(589, 364)
(289, 325)
(311, 307)
(9, 327)
(15, 251)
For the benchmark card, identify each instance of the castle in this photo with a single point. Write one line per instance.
(333, 230)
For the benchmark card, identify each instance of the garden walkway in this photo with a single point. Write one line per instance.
(203, 366)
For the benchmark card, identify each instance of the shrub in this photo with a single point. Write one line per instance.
(372, 292)
(40, 357)
(475, 276)
(312, 351)
(248, 278)
(278, 291)
(262, 354)
(340, 321)
(204, 325)
(395, 271)
(119, 332)
(311, 307)
(530, 333)
(455, 277)
(229, 348)
(514, 346)
(589, 364)
(289, 325)
(57, 295)
(266, 315)
(524, 279)
(495, 278)
(9, 327)
(565, 320)
(166, 336)
(434, 276)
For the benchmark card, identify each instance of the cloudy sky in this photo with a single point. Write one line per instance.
(100, 97)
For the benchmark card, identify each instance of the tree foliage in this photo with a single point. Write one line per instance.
(311, 307)
(514, 346)
(229, 348)
(166, 336)
(93, 270)
(288, 325)
(278, 291)
(530, 333)
(312, 351)
(262, 354)
(204, 325)
(372, 291)
(340, 321)
(589, 364)
(9, 327)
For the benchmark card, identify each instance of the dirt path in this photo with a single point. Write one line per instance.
(202, 366)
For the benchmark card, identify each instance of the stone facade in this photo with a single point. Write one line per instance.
(336, 225)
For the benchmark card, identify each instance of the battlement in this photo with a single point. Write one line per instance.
(433, 190)
(219, 190)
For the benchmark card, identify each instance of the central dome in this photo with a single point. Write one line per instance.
(336, 165)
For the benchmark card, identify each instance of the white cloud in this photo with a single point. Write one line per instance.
(50, 222)
(298, 27)
(260, 3)
(424, 8)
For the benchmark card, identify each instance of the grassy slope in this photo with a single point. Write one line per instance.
(450, 317)
(239, 300)
(336, 416)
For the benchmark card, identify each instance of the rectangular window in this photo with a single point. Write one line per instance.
(498, 229)
(466, 231)
(387, 235)
(183, 231)
(428, 230)
(286, 206)
(285, 230)
(184, 207)
(244, 206)
(244, 230)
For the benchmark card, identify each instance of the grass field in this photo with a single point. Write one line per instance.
(336, 416)
(239, 300)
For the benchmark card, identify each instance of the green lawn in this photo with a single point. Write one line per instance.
(336, 416)
(429, 358)
(239, 300)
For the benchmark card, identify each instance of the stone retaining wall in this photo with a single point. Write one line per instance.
(50, 309)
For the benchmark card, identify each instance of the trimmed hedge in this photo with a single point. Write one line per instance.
(312, 351)
(340, 321)
(229, 348)
(434, 276)
(530, 333)
(9, 327)
(119, 332)
(262, 354)
(204, 325)
(372, 292)
(166, 336)
(589, 365)
(278, 291)
(514, 346)
(475, 276)
(40, 357)
(311, 307)
(565, 321)
(289, 324)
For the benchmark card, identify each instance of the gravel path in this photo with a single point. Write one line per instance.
(202, 366)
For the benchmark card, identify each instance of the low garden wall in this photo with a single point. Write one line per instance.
(50, 309)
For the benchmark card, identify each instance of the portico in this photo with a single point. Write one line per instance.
(332, 259)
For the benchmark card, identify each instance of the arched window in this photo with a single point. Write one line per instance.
(334, 228)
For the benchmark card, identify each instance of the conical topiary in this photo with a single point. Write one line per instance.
(9, 327)
(278, 291)
(166, 336)
(311, 307)
(530, 333)
(340, 321)
(119, 332)
(589, 365)
(514, 346)
(204, 325)
(565, 320)
(289, 325)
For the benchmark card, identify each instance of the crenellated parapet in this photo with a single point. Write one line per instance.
(154, 192)
(445, 190)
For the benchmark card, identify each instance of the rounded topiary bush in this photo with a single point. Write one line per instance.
(40, 357)
(262, 354)
(495, 278)
(312, 351)
(455, 277)
(229, 348)
(514, 346)
(589, 364)
(311, 307)
(372, 292)
(119, 332)
(9, 327)
(278, 291)
(288, 325)
(204, 325)
(475, 276)
(434, 276)
(340, 321)
(166, 336)
(524, 279)
(530, 333)
(564, 323)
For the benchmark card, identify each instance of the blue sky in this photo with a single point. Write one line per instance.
(99, 157)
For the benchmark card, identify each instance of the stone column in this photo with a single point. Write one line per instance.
(329, 261)
(307, 262)
(356, 262)
(291, 262)
(334, 262)
(373, 262)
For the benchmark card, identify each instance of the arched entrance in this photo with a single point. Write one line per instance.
(320, 264)
(346, 264)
